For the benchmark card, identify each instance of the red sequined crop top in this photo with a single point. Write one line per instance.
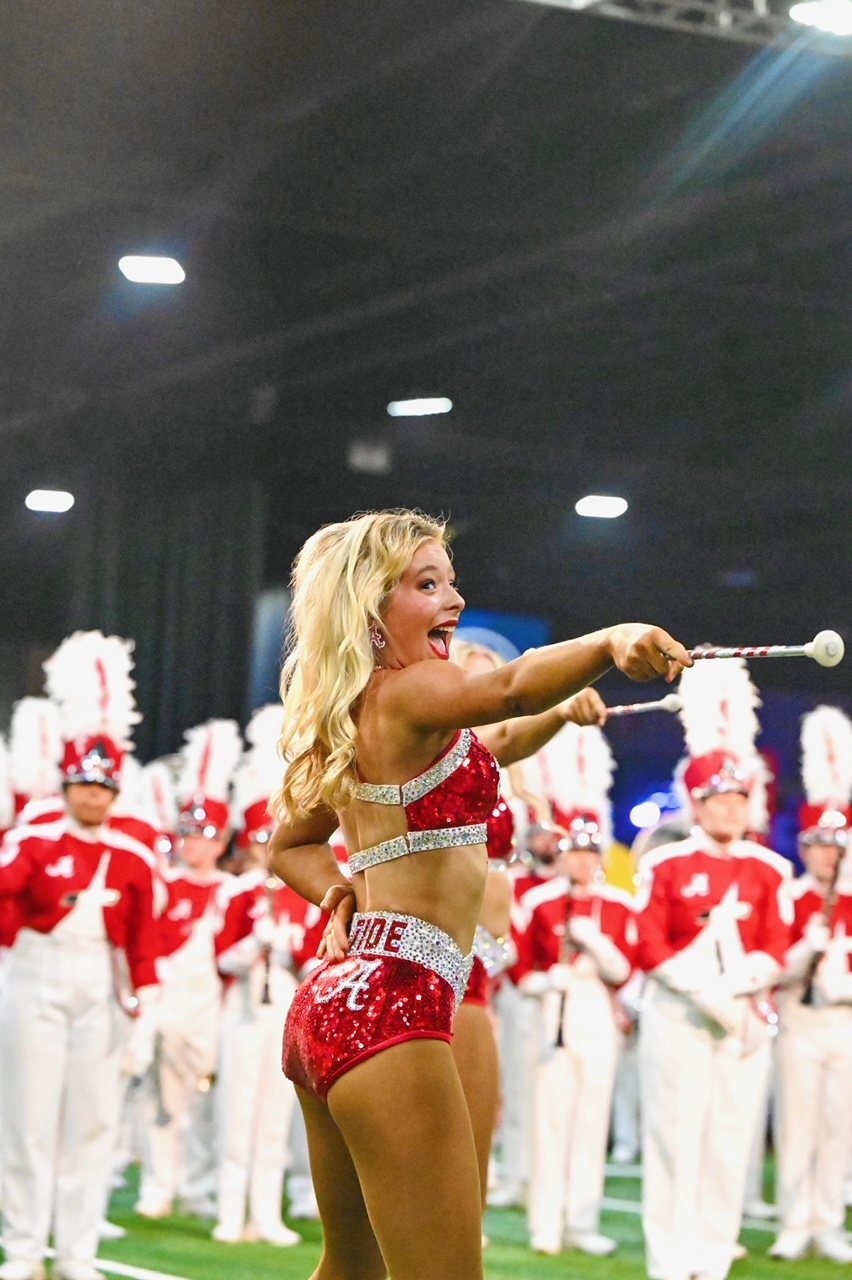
(447, 806)
(501, 836)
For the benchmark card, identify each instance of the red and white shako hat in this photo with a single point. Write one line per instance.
(720, 724)
(826, 815)
(577, 766)
(208, 759)
(258, 776)
(35, 750)
(89, 679)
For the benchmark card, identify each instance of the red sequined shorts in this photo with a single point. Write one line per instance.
(402, 980)
(477, 985)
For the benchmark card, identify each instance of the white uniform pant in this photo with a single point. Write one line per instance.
(572, 1096)
(702, 1096)
(517, 1038)
(256, 1103)
(813, 1126)
(61, 1035)
(625, 1097)
(187, 1054)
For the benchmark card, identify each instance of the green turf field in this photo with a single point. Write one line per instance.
(182, 1247)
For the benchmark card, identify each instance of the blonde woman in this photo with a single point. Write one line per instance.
(378, 741)
(474, 1044)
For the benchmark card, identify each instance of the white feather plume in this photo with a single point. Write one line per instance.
(826, 742)
(128, 801)
(89, 677)
(577, 766)
(35, 747)
(157, 795)
(718, 708)
(760, 776)
(261, 769)
(208, 760)
(7, 800)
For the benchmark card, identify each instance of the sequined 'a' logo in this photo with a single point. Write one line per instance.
(356, 981)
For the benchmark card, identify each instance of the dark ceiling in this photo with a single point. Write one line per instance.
(623, 252)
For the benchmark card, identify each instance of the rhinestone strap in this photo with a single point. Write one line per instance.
(493, 952)
(417, 842)
(416, 788)
(385, 933)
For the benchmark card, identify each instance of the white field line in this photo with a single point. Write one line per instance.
(124, 1269)
(635, 1208)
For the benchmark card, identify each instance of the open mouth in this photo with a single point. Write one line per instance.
(439, 640)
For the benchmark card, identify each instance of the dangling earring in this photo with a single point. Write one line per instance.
(600, 875)
(377, 640)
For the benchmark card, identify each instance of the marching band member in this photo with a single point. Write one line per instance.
(517, 1013)
(813, 1128)
(474, 1044)
(577, 948)
(268, 937)
(712, 937)
(85, 894)
(626, 1123)
(187, 1018)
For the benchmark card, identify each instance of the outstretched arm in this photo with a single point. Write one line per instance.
(515, 740)
(434, 697)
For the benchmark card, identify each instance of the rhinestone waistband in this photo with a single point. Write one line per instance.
(495, 953)
(417, 842)
(385, 933)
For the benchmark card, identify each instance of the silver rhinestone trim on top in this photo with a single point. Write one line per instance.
(378, 853)
(416, 788)
(385, 933)
(417, 842)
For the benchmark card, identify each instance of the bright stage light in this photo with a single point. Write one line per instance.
(151, 270)
(53, 500)
(601, 506)
(833, 16)
(645, 814)
(419, 408)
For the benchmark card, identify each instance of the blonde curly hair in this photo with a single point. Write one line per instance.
(342, 578)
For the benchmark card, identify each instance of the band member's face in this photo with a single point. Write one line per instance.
(201, 853)
(580, 866)
(257, 853)
(724, 816)
(544, 847)
(821, 860)
(88, 802)
(422, 612)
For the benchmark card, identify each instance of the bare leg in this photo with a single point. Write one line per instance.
(475, 1052)
(350, 1250)
(406, 1124)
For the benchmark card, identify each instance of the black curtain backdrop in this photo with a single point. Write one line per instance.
(177, 572)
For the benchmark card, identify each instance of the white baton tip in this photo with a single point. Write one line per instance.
(827, 649)
(671, 702)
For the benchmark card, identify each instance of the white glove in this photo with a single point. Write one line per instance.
(583, 931)
(755, 971)
(138, 1053)
(833, 978)
(717, 1002)
(560, 976)
(536, 983)
(264, 931)
(817, 935)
